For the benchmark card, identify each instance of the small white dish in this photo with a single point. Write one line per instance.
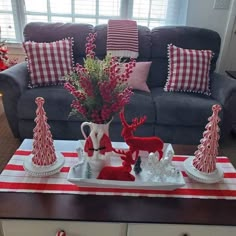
(77, 175)
(208, 178)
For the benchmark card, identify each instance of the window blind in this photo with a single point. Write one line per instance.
(14, 14)
(7, 27)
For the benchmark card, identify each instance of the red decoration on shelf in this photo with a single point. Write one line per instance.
(205, 156)
(150, 144)
(5, 62)
(43, 148)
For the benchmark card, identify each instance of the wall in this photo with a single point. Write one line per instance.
(227, 60)
(202, 14)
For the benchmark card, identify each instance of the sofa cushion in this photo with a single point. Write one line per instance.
(186, 109)
(179, 134)
(188, 70)
(57, 103)
(140, 104)
(48, 62)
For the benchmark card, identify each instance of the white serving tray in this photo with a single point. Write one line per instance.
(77, 175)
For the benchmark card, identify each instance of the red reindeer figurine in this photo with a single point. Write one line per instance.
(150, 144)
(121, 173)
(126, 156)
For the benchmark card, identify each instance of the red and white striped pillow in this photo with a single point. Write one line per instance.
(49, 62)
(188, 70)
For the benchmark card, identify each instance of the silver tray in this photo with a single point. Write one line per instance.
(77, 175)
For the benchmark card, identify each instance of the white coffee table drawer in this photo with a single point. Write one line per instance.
(50, 228)
(179, 230)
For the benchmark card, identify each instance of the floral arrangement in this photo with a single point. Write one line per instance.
(100, 87)
(5, 62)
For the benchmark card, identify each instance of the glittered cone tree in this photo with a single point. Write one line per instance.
(205, 156)
(43, 148)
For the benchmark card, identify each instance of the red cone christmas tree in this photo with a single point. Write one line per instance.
(205, 156)
(202, 167)
(43, 148)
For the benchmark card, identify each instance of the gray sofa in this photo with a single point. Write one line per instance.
(176, 117)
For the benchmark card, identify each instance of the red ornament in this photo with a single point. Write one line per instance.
(5, 62)
(3, 66)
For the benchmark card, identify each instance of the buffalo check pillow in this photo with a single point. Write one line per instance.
(188, 70)
(48, 62)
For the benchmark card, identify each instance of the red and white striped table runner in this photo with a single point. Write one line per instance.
(15, 179)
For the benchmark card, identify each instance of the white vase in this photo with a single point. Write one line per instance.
(97, 147)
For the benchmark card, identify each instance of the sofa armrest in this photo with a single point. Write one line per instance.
(223, 89)
(15, 78)
(13, 82)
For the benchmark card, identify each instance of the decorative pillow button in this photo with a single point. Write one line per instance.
(188, 70)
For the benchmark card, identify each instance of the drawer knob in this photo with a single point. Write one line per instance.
(61, 233)
(185, 234)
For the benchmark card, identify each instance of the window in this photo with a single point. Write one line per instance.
(153, 13)
(7, 29)
(14, 14)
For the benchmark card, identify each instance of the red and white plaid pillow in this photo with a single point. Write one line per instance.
(49, 62)
(188, 70)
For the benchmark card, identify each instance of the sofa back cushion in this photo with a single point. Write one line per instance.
(152, 44)
(50, 32)
(183, 37)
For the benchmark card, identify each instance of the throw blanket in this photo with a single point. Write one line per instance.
(122, 38)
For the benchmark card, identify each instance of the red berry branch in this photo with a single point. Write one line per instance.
(100, 87)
